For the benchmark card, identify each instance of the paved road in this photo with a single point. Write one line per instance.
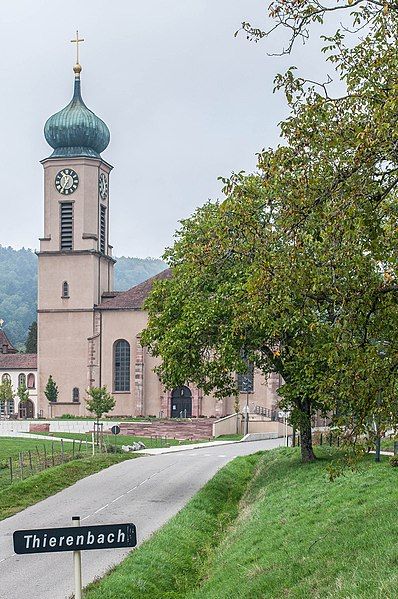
(146, 491)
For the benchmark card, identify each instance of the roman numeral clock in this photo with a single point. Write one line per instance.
(66, 181)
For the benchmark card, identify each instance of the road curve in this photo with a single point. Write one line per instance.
(146, 491)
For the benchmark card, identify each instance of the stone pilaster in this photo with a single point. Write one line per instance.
(139, 377)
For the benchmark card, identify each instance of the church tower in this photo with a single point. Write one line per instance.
(75, 259)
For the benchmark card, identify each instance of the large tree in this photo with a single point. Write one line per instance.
(298, 265)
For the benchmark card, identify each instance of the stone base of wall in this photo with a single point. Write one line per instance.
(39, 428)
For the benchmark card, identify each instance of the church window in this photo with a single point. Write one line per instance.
(121, 365)
(76, 394)
(103, 230)
(22, 380)
(31, 381)
(6, 378)
(66, 226)
(65, 289)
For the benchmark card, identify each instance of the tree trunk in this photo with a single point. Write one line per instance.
(307, 452)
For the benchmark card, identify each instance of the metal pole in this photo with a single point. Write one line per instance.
(92, 438)
(77, 562)
(287, 439)
(247, 415)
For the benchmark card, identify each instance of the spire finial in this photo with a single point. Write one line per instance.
(77, 68)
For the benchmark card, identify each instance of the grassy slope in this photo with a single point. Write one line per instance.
(35, 488)
(171, 563)
(11, 446)
(297, 536)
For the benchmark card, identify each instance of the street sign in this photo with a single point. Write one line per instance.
(115, 430)
(76, 538)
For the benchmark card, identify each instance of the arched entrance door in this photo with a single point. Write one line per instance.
(181, 402)
(26, 409)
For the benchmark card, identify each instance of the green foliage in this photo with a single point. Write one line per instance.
(132, 271)
(6, 391)
(100, 401)
(18, 289)
(51, 390)
(297, 265)
(31, 341)
(23, 393)
(18, 292)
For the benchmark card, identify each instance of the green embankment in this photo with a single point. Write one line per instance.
(27, 492)
(284, 532)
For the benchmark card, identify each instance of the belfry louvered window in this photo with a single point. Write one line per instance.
(103, 230)
(66, 226)
(121, 366)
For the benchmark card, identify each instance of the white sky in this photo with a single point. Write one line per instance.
(185, 102)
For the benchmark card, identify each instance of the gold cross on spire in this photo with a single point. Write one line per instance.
(77, 42)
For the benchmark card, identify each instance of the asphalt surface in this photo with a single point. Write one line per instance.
(146, 491)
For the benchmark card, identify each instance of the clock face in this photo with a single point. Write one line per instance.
(66, 181)
(103, 186)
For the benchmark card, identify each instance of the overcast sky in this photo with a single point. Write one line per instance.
(185, 102)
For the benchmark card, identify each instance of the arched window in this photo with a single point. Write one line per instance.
(121, 365)
(31, 381)
(6, 378)
(76, 394)
(65, 289)
(22, 380)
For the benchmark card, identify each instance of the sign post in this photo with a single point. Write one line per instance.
(76, 538)
(115, 431)
(77, 562)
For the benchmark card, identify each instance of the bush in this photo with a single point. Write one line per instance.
(394, 461)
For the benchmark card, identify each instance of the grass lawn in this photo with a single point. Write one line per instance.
(267, 526)
(24, 493)
(126, 439)
(12, 447)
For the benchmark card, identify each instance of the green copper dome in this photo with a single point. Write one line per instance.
(76, 130)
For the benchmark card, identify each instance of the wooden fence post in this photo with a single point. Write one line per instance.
(21, 463)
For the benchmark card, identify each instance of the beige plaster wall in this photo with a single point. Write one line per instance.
(128, 324)
(120, 324)
(63, 353)
(81, 271)
(85, 201)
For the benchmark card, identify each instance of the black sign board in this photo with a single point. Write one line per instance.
(81, 538)
(115, 429)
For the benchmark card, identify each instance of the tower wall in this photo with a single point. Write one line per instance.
(66, 319)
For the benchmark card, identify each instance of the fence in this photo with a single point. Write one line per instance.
(20, 466)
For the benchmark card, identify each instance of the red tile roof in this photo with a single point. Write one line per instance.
(4, 341)
(18, 361)
(134, 298)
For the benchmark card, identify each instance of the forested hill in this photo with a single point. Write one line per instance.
(18, 286)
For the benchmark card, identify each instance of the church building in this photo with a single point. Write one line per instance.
(88, 334)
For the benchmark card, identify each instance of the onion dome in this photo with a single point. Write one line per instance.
(76, 130)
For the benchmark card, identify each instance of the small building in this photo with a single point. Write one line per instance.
(19, 369)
